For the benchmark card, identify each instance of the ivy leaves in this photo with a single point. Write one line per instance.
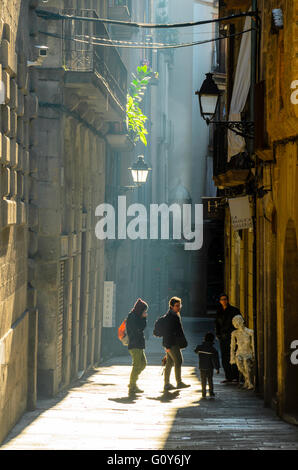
(135, 118)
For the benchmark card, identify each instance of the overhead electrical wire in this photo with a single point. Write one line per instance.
(49, 15)
(133, 45)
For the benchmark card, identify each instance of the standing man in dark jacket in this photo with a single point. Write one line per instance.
(173, 341)
(135, 324)
(208, 360)
(224, 328)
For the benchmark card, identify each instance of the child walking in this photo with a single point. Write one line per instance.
(208, 360)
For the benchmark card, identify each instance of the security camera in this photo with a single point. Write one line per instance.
(42, 54)
(277, 20)
(42, 51)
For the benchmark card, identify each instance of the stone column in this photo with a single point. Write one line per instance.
(50, 269)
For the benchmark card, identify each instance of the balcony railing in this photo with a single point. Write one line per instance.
(80, 54)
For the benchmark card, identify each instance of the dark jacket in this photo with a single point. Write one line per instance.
(174, 334)
(223, 321)
(135, 325)
(208, 356)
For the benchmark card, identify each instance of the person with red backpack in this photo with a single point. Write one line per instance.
(136, 323)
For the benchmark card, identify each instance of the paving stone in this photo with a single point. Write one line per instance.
(96, 412)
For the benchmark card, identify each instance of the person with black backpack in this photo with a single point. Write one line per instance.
(135, 325)
(169, 327)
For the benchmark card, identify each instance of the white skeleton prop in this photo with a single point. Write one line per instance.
(243, 356)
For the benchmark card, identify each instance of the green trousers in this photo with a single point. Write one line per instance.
(139, 363)
(174, 358)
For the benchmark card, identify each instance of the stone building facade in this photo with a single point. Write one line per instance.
(18, 307)
(261, 263)
(58, 127)
(82, 97)
(179, 153)
(277, 213)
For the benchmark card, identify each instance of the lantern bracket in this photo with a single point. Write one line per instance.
(243, 128)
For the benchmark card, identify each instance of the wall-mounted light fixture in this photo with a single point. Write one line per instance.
(42, 54)
(209, 96)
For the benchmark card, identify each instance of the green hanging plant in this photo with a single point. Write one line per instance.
(136, 119)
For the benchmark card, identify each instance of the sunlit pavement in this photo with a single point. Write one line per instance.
(96, 413)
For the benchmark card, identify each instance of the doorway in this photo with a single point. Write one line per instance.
(290, 289)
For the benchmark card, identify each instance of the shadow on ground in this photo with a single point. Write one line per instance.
(126, 399)
(166, 397)
(44, 404)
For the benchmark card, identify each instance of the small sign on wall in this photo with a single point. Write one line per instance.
(213, 208)
(109, 304)
(240, 213)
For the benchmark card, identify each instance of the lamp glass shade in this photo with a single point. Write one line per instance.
(208, 104)
(140, 170)
(139, 176)
(208, 97)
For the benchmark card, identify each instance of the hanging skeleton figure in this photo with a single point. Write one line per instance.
(243, 356)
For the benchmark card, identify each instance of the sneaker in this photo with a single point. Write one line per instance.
(211, 394)
(182, 385)
(226, 381)
(168, 387)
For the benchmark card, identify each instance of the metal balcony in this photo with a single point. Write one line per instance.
(82, 55)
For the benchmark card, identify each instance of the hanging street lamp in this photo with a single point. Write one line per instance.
(139, 171)
(209, 96)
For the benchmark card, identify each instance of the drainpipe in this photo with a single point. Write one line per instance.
(254, 6)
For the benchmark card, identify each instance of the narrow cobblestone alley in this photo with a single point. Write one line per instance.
(97, 414)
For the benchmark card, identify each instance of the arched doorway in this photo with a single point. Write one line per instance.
(290, 289)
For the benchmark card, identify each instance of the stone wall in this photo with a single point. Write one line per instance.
(17, 133)
(276, 216)
(71, 163)
(279, 69)
(282, 205)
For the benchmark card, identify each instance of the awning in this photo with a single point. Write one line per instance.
(236, 143)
